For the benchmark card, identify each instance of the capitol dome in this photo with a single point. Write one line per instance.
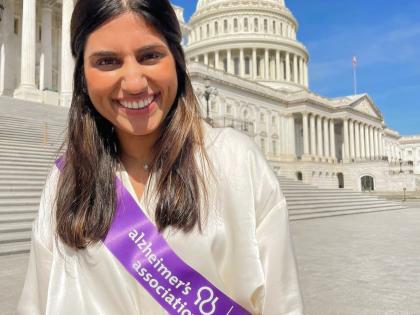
(252, 39)
(202, 3)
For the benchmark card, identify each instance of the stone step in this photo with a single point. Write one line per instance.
(7, 202)
(16, 227)
(20, 182)
(28, 177)
(17, 217)
(22, 188)
(18, 171)
(329, 197)
(22, 169)
(296, 217)
(18, 195)
(23, 150)
(328, 202)
(339, 208)
(24, 163)
(12, 123)
(15, 248)
(28, 155)
(19, 208)
(13, 143)
(13, 237)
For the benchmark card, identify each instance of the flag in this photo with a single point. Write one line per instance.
(354, 61)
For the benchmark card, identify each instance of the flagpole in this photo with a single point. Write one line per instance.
(354, 62)
(354, 80)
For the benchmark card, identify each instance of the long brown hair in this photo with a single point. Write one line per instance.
(86, 199)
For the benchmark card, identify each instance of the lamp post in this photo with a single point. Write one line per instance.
(209, 92)
(1, 9)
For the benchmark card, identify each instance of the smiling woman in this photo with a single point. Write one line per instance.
(150, 210)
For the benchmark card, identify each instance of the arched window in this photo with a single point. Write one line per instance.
(256, 25)
(225, 65)
(265, 25)
(246, 24)
(225, 26)
(274, 27)
(216, 28)
(262, 117)
(235, 25)
(208, 30)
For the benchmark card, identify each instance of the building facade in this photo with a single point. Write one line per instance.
(247, 51)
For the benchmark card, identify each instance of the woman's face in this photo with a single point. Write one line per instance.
(130, 74)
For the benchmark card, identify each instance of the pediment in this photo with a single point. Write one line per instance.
(366, 106)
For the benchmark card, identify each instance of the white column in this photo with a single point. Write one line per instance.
(367, 142)
(45, 81)
(287, 67)
(305, 134)
(291, 136)
(381, 144)
(362, 142)
(332, 139)
(352, 145)
(254, 63)
(326, 139)
(266, 65)
(346, 151)
(295, 69)
(301, 71)
(357, 139)
(376, 140)
(229, 61)
(27, 89)
(206, 59)
(67, 64)
(7, 50)
(319, 137)
(305, 74)
(217, 60)
(241, 62)
(278, 68)
(372, 146)
(313, 135)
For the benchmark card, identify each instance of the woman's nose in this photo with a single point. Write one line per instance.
(133, 81)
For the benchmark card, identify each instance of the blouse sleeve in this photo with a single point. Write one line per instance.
(281, 293)
(33, 299)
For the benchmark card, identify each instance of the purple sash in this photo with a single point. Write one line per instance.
(135, 241)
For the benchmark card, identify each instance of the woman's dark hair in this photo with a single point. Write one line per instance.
(86, 198)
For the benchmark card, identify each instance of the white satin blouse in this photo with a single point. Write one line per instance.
(245, 248)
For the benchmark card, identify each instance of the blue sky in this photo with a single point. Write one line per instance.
(385, 37)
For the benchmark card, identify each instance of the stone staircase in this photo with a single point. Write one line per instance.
(30, 138)
(309, 202)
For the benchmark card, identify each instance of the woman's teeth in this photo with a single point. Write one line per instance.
(138, 104)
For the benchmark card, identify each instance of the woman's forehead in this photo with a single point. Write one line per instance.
(125, 30)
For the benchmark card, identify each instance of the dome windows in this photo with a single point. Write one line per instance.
(246, 24)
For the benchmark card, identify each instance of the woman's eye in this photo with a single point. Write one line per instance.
(107, 62)
(151, 56)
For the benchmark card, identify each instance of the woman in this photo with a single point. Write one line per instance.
(150, 211)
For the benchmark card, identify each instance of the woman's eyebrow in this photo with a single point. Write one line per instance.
(105, 53)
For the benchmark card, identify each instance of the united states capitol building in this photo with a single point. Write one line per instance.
(249, 72)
